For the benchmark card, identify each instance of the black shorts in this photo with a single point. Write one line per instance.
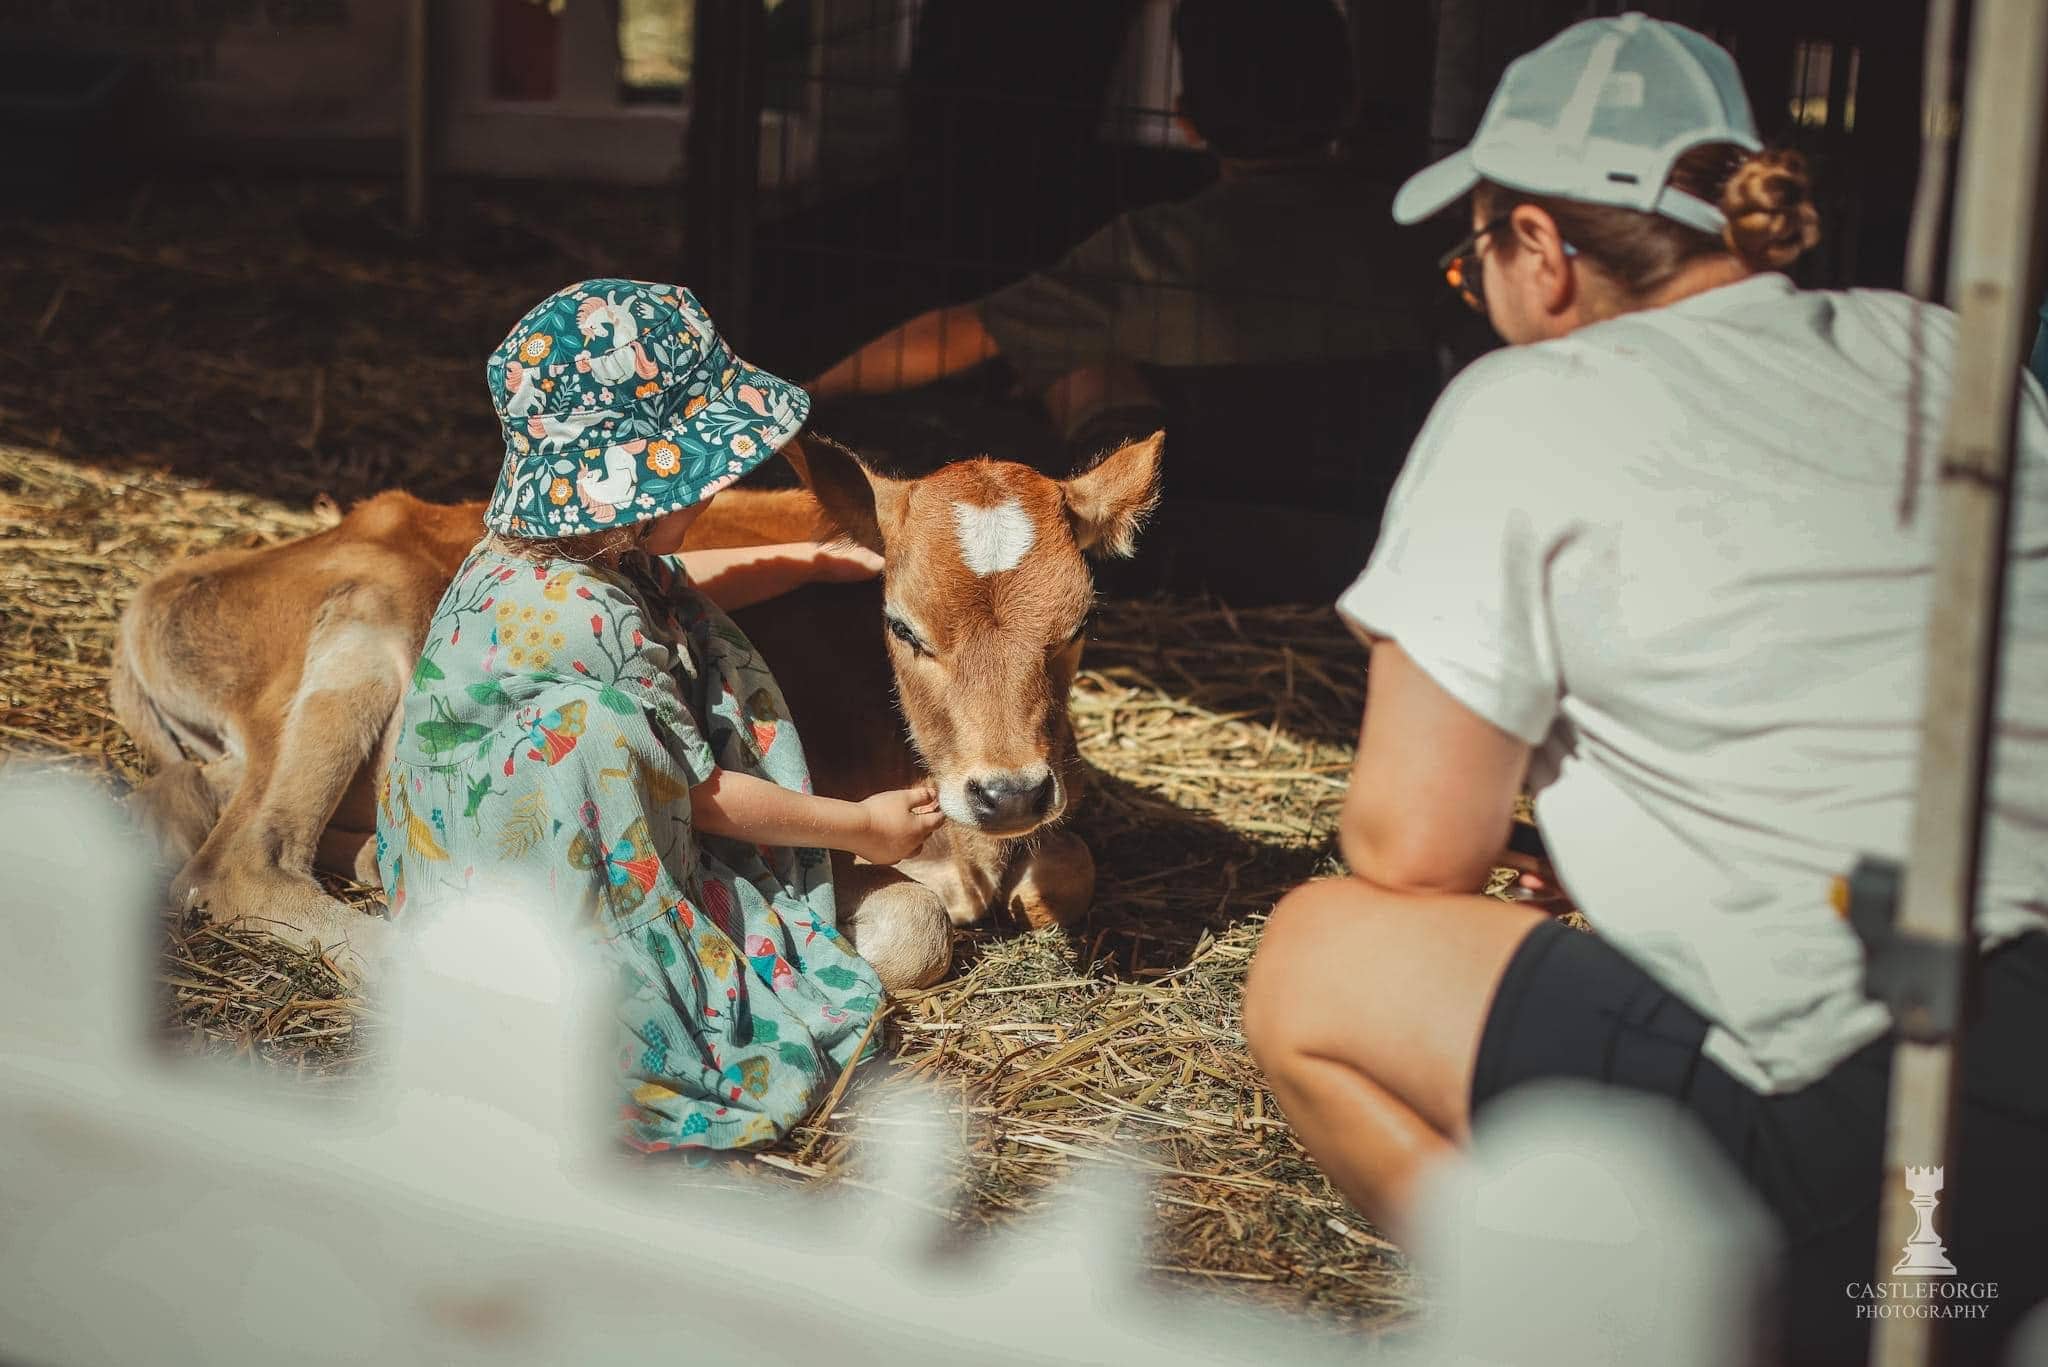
(1570, 1005)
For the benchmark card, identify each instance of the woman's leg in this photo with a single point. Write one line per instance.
(1364, 1008)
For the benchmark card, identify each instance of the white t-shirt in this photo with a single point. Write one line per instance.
(1666, 551)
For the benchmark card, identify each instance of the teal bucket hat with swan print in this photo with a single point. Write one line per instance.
(619, 404)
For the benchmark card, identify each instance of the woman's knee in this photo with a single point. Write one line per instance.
(1279, 1001)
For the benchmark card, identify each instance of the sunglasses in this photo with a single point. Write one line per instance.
(1463, 263)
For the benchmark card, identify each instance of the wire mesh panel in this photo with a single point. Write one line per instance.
(1051, 226)
(1043, 226)
(1019, 237)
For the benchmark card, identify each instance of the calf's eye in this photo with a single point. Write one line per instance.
(902, 632)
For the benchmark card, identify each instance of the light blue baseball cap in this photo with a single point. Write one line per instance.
(1598, 114)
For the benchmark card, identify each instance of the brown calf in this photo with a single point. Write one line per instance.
(267, 684)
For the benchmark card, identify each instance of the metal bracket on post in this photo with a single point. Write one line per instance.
(1919, 980)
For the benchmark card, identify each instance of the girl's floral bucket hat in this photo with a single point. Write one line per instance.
(619, 403)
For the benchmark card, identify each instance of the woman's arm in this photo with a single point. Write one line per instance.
(741, 576)
(1433, 786)
(884, 829)
(929, 347)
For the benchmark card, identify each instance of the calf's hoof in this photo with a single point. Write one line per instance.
(902, 930)
(1056, 886)
(297, 911)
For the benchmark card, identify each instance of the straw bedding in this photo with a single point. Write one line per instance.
(1219, 740)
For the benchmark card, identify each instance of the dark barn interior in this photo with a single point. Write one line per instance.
(819, 171)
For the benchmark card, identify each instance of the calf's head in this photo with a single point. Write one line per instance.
(987, 594)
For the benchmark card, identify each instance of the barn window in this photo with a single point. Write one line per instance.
(655, 49)
(1823, 92)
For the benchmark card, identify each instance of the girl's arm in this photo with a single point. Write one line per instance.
(931, 346)
(741, 576)
(885, 829)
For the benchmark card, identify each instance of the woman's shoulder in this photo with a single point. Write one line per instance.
(1531, 385)
(1521, 419)
(1894, 315)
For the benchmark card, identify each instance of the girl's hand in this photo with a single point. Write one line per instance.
(898, 823)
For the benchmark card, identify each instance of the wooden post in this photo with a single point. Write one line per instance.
(1990, 270)
(419, 113)
(722, 158)
(1930, 196)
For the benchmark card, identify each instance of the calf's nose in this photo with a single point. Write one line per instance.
(1009, 799)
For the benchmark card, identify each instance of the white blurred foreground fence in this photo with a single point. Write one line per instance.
(174, 1212)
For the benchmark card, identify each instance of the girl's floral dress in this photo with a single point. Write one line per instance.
(558, 718)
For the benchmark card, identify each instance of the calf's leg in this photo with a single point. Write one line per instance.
(1054, 883)
(257, 864)
(138, 715)
(900, 927)
(964, 867)
(176, 807)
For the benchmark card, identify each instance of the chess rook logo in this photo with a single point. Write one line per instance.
(1924, 1255)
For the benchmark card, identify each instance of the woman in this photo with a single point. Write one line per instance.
(1649, 560)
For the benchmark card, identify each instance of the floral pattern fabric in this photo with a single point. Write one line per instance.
(619, 403)
(558, 718)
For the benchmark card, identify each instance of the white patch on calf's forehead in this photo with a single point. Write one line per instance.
(993, 539)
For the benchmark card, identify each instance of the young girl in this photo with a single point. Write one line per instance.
(587, 728)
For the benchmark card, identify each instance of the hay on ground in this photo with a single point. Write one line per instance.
(207, 362)
(1219, 741)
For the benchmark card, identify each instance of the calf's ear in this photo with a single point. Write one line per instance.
(1109, 503)
(864, 505)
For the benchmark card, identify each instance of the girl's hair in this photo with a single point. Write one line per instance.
(603, 548)
(1765, 196)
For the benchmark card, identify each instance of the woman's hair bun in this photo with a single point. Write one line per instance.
(1769, 207)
